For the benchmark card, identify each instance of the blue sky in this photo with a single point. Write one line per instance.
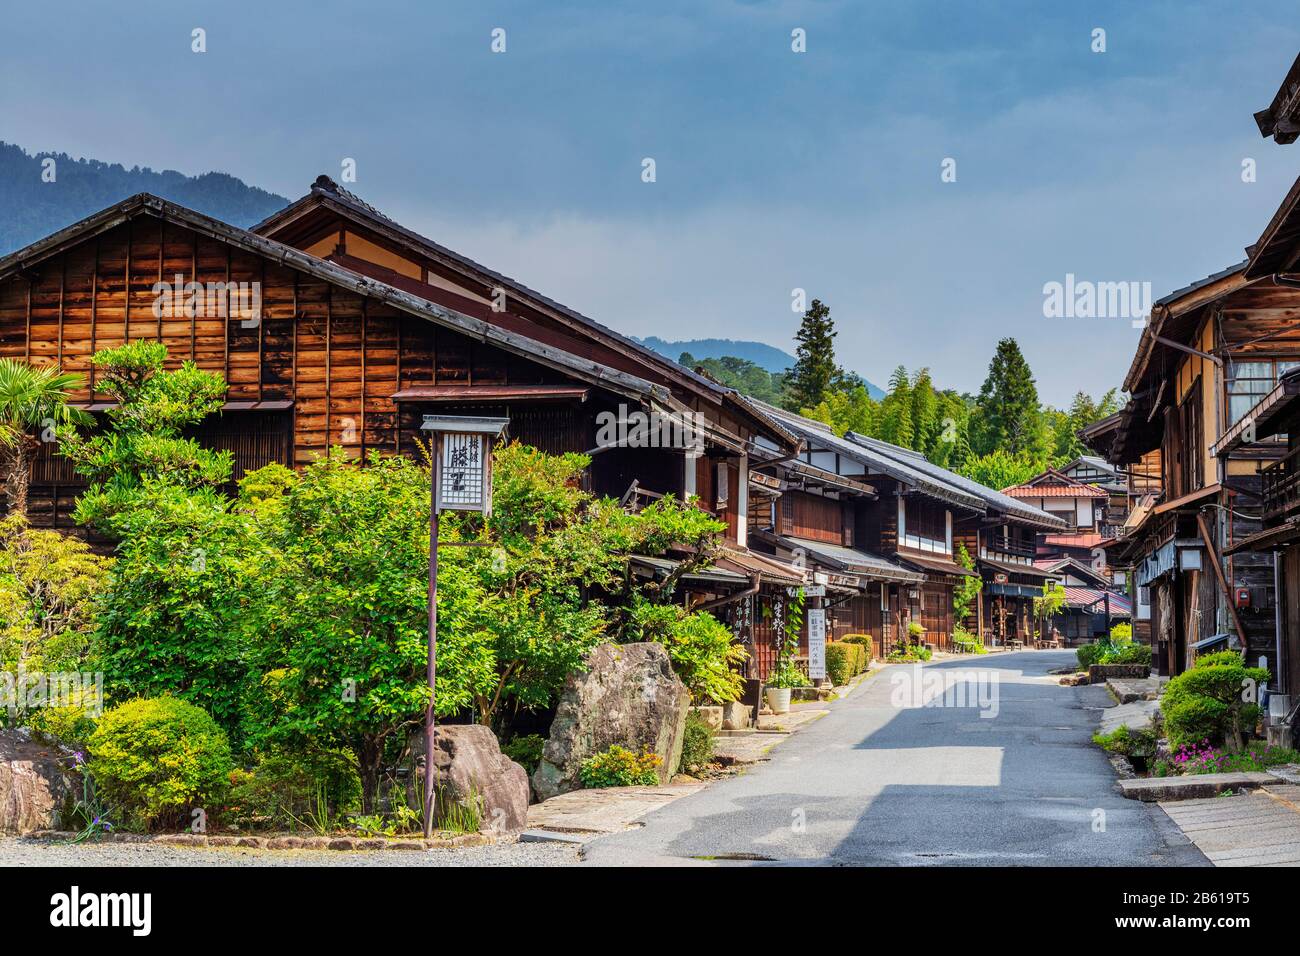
(775, 170)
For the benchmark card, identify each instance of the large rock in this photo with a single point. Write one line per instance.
(628, 695)
(35, 784)
(468, 760)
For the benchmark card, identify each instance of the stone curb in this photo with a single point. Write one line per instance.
(282, 842)
(1191, 787)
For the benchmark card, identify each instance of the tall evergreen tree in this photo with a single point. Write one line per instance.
(815, 371)
(1009, 417)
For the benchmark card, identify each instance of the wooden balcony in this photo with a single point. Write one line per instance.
(1012, 546)
(1281, 486)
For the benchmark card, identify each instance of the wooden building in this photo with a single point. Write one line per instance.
(883, 526)
(336, 327)
(1209, 354)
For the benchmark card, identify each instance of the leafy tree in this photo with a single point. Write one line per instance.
(1000, 469)
(1048, 604)
(745, 376)
(1009, 415)
(700, 647)
(815, 371)
(50, 585)
(967, 589)
(144, 441)
(190, 603)
(1083, 411)
(32, 398)
(848, 410)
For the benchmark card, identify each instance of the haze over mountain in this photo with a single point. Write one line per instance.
(32, 207)
(768, 357)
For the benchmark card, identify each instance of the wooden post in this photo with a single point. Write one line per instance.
(429, 711)
(1223, 583)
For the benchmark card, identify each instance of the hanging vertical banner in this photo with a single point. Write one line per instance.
(816, 643)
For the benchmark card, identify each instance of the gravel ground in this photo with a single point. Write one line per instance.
(18, 852)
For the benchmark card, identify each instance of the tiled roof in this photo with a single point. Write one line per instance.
(1120, 606)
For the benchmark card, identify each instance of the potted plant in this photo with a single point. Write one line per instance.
(783, 677)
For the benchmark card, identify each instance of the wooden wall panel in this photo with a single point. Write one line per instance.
(337, 356)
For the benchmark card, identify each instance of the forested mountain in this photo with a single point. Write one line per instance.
(32, 207)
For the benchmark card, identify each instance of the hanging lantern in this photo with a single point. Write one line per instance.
(462, 447)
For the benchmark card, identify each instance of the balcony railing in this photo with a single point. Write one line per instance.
(1281, 485)
(1013, 546)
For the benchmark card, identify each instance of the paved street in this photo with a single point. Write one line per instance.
(878, 784)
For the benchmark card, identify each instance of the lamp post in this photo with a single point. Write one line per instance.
(461, 481)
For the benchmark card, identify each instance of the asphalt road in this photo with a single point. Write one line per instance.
(879, 781)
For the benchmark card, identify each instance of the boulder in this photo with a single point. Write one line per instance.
(737, 715)
(627, 695)
(467, 759)
(36, 783)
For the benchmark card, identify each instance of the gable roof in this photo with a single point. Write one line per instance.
(1091, 461)
(1053, 484)
(993, 500)
(1056, 565)
(816, 433)
(146, 204)
(326, 194)
(1281, 119)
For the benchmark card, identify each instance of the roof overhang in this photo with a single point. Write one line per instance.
(145, 204)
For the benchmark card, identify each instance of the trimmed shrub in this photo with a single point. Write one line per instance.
(844, 661)
(620, 767)
(697, 745)
(1127, 654)
(1213, 702)
(525, 751)
(863, 639)
(1088, 655)
(155, 759)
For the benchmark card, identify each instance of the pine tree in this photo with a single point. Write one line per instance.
(1009, 418)
(815, 371)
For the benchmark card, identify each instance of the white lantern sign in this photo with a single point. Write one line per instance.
(462, 447)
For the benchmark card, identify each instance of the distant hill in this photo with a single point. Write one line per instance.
(31, 208)
(767, 357)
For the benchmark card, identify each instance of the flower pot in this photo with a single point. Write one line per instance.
(778, 698)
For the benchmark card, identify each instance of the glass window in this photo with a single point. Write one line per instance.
(1248, 382)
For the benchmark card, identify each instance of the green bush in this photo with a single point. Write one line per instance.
(1130, 743)
(1214, 701)
(1127, 654)
(964, 640)
(1088, 654)
(620, 767)
(525, 750)
(844, 661)
(697, 745)
(155, 759)
(863, 639)
(1121, 633)
(296, 790)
